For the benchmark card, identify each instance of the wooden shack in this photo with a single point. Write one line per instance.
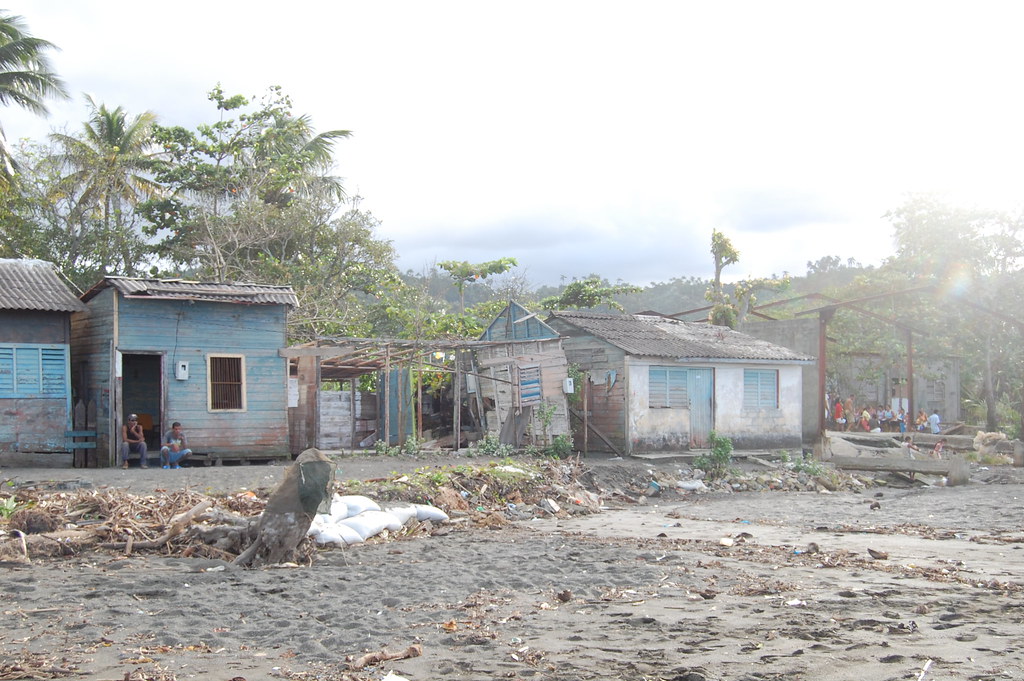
(520, 380)
(203, 354)
(35, 378)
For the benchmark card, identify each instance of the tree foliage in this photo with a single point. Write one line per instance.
(588, 293)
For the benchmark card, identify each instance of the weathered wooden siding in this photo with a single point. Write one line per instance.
(91, 366)
(336, 418)
(604, 365)
(181, 330)
(35, 425)
(497, 362)
(192, 331)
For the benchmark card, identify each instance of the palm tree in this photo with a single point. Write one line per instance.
(26, 78)
(109, 168)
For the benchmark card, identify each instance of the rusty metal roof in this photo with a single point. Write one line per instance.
(656, 336)
(180, 289)
(34, 285)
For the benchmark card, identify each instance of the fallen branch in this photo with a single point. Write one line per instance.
(178, 525)
(415, 650)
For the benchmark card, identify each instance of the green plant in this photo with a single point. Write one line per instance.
(560, 447)
(491, 445)
(546, 413)
(802, 464)
(411, 447)
(716, 464)
(382, 448)
(8, 506)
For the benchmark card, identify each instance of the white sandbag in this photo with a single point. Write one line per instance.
(357, 504)
(691, 485)
(371, 523)
(328, 535)
(433, 513)
(348, 534)
(339, 509)
(401, 511)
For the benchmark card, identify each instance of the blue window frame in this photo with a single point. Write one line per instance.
(667, 388)
(760, 389)
(31, 370)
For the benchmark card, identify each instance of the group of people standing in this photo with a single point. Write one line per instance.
(875, 419)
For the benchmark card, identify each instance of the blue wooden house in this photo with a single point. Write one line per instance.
(35, 379)
(204, 354)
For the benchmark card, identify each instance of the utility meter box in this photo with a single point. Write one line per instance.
(568, 387)
(181, 371)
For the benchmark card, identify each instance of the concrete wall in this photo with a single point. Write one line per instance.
(799, 335)
(669, 429)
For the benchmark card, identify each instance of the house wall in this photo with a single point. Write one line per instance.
(35, 426)
(189, 331)
(759, 428)
(799, 335)
(605, 366)
(669, 429)
(653, 429)
(498, 396)
(336, 418)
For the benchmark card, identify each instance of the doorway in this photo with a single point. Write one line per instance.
(142, 393)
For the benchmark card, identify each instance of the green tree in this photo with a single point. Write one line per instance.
(463, 272)
(26, 78)
(588, 293)
(108, 173)
(729, 310)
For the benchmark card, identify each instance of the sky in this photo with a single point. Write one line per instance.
(592, 137)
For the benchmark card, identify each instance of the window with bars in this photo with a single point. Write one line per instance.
(28, 370)
(760, 389)
(667, 388)
(226, 378)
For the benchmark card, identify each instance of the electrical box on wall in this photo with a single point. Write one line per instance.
(568, 387)
(181, 371)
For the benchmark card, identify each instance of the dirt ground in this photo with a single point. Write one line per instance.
(683, 587)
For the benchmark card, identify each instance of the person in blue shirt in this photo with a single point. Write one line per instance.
(174, 448)
(933, 422)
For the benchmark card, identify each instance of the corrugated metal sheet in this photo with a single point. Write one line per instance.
(34, 285)
(179, 289)
(652, 336)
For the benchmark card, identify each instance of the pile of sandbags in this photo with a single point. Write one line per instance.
(355, 518)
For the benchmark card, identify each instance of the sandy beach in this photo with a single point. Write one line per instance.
(683, 587)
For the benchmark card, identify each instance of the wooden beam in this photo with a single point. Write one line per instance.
(595, 431)
(956, 470)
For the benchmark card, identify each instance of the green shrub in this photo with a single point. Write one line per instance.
(560, 447)
(716, 464)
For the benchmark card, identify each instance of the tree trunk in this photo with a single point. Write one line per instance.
(991, 418)
(285, 521)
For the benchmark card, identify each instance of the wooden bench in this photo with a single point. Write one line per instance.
(78, 443)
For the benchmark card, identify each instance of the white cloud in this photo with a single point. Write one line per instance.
(605, 137)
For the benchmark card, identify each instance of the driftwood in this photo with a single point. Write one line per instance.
(178, 525)
(415, 650)
(285, 521)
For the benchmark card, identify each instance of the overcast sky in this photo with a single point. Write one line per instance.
(581, 137)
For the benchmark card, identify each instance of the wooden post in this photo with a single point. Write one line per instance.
(352, 425)
(457, 399)
(586, 406)
(387, 395)
(910, 379)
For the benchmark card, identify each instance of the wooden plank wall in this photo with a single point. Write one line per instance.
(496, 362)
(606, 401)
(91, 352)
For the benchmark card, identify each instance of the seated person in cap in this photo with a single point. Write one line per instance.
(133, 439)
(175, 447)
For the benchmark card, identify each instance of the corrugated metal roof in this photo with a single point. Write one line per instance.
(34, 285)
(179, 289)
(655, 336)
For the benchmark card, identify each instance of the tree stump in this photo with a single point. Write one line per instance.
(303, 493)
